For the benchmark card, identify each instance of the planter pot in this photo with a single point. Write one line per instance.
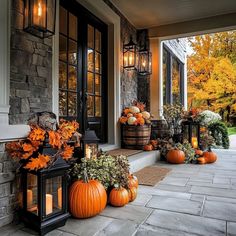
(135, 137)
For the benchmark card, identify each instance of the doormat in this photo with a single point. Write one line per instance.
(151, 175)
(123, 152)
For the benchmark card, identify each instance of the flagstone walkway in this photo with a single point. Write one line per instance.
(191, 200)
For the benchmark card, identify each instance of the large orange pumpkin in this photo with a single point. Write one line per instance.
(87, 199)
(133, 181)
(210, 157)
(119, 197)
(175, 156)
(132, 193)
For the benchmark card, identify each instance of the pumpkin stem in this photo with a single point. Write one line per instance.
(209, 149)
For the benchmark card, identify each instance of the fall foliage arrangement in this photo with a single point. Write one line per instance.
(29, 152)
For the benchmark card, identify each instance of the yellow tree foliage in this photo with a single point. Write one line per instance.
(212, 72)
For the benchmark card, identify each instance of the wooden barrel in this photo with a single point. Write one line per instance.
(135, 137)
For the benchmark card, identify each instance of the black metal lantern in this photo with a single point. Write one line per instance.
(40, 17)
(89, 144)
(130, 55)
(44, 199)
(145, 62)
(191, 132)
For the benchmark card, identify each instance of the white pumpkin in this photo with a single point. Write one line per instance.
(146, 115)
(134, 109)
(131, 120)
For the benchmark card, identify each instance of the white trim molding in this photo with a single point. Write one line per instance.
(4, 60)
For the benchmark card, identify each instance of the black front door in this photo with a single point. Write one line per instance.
(82, 68)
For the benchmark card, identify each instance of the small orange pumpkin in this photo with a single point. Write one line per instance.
(118, 197)
(126, 111)
(198, 152)
(201, 160)
(133, 181)
(138, 115)
(154, 143)
(87, 198)
(210, 156)
(132, 193)
(175, 156)
(148, 147)
(123, 119)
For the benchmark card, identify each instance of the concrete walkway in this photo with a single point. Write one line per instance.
(232, 141)
(191, 200)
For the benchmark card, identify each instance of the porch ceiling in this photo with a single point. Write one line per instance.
(150, 13)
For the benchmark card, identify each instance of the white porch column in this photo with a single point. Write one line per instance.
(185, 84)
(4, 60)
(156, 84)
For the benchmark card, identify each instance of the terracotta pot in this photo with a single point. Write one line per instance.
(175, 156)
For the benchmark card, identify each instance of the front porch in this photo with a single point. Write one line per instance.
(191, 200)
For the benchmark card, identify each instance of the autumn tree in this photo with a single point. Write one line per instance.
(212, 72)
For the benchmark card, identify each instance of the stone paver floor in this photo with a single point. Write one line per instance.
(191, 200)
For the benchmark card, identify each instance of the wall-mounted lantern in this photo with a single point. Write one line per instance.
(89, 144)
(40, 17)
(130, 55)
(145, 62)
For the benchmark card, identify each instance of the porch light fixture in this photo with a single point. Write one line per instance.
(191, 132)
(89, 144)
(130, 55)
(40, 17)
(145, 62)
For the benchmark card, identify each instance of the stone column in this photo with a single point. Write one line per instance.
(4, 60)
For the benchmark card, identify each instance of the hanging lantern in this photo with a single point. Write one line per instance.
(130, 55)
(191, 132)
(145, 62)
(40, 17)
(89, 144)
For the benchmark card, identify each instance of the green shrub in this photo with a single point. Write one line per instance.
(219, 132)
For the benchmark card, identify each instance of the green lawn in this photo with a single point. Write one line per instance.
(231, 130)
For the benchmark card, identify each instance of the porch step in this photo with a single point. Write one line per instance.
(143, 159)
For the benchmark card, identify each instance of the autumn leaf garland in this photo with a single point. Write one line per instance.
(23, 150)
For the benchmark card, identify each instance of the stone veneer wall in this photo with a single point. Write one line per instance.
(129, 79)
(30, 70)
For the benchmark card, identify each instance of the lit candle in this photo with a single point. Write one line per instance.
(194, 142)
(88, 152)
(48, 204)
(40, 9)
(126, 60)
(144, 64)
(29, 198)
(131, 60)
(59, 197)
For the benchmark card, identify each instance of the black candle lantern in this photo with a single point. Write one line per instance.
(130, 55)
(40, 17)
(191, 132)
(145, 62)
(44, 197)
(89, 144)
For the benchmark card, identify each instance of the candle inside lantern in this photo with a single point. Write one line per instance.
(194, 142)
(48, 204)
(88, 152)
(59, 197)
(29, 198)
(131, 59)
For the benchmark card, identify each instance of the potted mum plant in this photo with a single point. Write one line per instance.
(136, 126)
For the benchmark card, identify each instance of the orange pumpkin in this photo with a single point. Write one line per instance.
(175, 156)
(140, 121)
(198, 152)
(201, 160)
(148, 147)
(210, 156)
(133, 181)
(123, 119)
(126, 111)
(119, 197)
(138, 115)
(87, 198)
(132, 193)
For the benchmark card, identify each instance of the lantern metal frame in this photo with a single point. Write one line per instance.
(42, 222)
(145, 62)
(191, 124)
(130, 49)
(89, 138)
(34, 29)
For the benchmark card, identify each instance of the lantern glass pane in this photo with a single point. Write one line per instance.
(91, 150)
(32, 191)
(39, 10)
(186, 132)
(53, 195)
